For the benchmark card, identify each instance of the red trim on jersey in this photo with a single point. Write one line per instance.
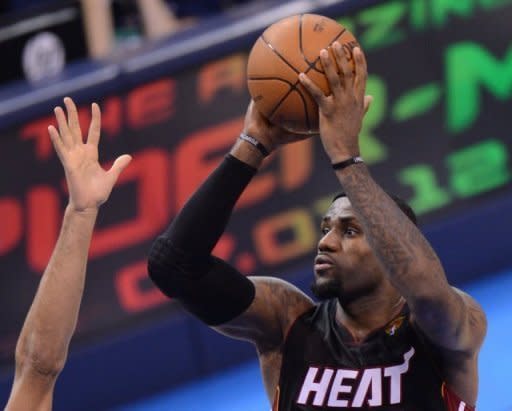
(275, 406)
(452, 401)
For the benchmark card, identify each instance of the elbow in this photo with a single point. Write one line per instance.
(45, 362)
(163, 263)
(174, 271)
(161, 279)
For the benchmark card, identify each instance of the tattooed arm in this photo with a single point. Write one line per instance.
(266, 322)
(449, 318)
(276, 305)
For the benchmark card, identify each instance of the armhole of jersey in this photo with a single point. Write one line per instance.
(452, 401)
(275, 405)
(426, 348)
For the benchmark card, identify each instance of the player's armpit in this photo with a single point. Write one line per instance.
(455, 321)
(275, 307)
(456, 325)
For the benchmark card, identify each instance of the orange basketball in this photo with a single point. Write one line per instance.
(285, 49)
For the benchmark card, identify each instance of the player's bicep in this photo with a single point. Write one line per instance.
(266, 321)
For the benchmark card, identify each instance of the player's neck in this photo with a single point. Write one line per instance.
(368, 313)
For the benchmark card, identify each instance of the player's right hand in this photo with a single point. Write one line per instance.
(88, 183)
(268, 134)
(341, 113)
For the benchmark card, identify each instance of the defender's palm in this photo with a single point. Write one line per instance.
(88, 183)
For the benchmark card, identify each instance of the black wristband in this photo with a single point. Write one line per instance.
(255, 143)
(342, 164)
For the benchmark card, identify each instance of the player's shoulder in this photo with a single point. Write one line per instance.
(282, 292)
(473, 324)
(477, 320)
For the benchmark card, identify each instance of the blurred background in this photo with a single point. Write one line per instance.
(170, 78)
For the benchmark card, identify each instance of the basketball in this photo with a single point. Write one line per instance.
(285, 49)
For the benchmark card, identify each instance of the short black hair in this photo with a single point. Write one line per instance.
(402, 204)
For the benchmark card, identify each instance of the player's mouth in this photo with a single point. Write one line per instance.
(322, 263)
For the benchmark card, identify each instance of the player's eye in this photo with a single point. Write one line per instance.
(351, 232)
(324, 230)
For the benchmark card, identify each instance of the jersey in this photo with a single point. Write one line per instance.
(391, 370)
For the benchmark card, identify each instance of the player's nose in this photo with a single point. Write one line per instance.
(329, 242)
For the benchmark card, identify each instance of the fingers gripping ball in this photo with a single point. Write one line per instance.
(284, 50)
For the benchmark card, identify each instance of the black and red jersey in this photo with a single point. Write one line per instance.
(393, 369)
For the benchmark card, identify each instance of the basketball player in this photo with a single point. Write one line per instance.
(42, 346)
(390, 333)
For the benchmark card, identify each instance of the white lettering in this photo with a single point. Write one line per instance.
(395, 373)
(369, 388)
(338, 387)
(372, 377)
(319, 388)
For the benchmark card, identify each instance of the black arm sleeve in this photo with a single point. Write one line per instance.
(180, 261)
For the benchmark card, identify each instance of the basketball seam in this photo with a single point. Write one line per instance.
(293, 86)
(285, 96)
(313, 66)
(269, 45)
(310, 66)
(272, 78)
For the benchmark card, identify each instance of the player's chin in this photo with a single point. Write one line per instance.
(325, 287)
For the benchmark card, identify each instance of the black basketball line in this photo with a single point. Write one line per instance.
(278, 54)
(312, 65)
(272, 78)
(301, 47)
(292, 87)
(285, 96)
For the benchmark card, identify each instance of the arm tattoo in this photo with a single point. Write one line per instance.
(286, 302)
(396, 241)
(449, 319)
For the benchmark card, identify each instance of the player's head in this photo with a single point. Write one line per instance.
(346, 267)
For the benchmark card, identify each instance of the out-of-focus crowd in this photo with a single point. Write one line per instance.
(108, 28)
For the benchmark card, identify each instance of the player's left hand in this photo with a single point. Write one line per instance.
(88, 183)
(341, 113)
(270, 135)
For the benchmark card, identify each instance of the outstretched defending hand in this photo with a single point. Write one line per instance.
(341, 113)
(88, 183)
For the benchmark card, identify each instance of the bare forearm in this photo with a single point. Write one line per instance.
(52, 317)
(409, 260)
(99, 27)
(404, 252)
(157, 18)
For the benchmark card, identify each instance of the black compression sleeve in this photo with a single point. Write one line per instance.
(180, 263)
(212, 290)
(203, 219)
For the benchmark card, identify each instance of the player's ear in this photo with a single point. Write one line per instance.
(367, 103)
